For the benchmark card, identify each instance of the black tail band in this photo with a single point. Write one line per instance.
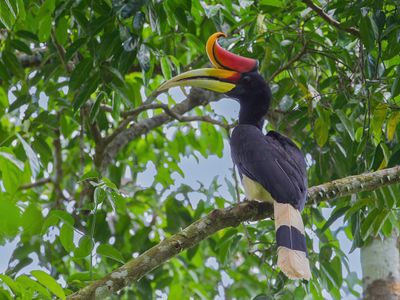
(291, 238)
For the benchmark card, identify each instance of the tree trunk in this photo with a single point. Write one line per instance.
(380, 262)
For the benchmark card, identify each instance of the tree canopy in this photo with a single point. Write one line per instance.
(79, 126)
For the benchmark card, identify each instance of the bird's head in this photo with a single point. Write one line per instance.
(233, 75)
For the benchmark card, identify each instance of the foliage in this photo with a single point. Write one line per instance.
(70, 69)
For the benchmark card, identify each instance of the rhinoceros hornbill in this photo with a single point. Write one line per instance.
(271, 166)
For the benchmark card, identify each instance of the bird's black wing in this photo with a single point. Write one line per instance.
(273, 161)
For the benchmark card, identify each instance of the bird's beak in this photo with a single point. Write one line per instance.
(217, 80)
(223, 59)
(223, 79)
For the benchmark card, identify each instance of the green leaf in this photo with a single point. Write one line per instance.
(392, 125)
(165, 68)
(394, 159)
(367, 225)
(7, 14)
(49, 282)
(110, 74)
(84, 93)
(4, 74)
(14, 286)
(21, 9)
(334, 216)
(12, 63)
(62, 30)
(63, 216)
(83, 276)
(379, 116)
(75, 46)
(27, 282)
(33, 160)
(80, 74)
(395, 90)
(367, 33)
(44, 28)
(92, 174)
(331, 274)
(275, 3)
(67, 237)
(346, 123)
(21, 46)
(380, 221)
(85, 247)
(32, 220)
(11, 169)
(111, 252)
(357, 206)
(321, 132)
(378, 157)
(99, 195)
(19, 164)
(94, 110)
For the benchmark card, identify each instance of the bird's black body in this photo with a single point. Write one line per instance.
(272, 160)
(273, 169)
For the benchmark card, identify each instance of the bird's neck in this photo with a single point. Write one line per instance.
(252, 115)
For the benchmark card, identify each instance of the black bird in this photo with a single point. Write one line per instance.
(271, 166)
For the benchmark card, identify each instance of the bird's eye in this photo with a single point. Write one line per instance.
(246, 79)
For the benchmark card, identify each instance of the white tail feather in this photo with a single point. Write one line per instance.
(293, 263)
(285, 214)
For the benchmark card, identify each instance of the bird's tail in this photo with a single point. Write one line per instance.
(292, 250)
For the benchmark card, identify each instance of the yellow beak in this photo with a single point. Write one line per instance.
(217, 80)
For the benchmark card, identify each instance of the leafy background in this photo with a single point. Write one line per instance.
(70, 69)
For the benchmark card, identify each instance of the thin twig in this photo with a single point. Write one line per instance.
(60, 51)
(37, 183)
(354, 31)
(58, 172)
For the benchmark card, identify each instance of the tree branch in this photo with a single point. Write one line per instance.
(354, 31)
(131, 114)
(222, 218)
(196, 98)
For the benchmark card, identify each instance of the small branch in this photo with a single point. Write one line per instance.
(197, 97)
(206, 119)
(60, 52)
(329, 19)
(219, 219)
(58, 172)
(134, 112)
(37, 183)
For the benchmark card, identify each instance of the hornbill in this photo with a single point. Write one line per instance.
(271, 166)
